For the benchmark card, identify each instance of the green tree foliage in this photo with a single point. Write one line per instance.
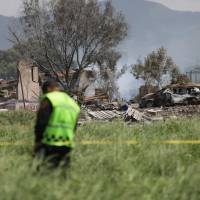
(70, 34)
(8, 63)
(180, 79)
(155, 65)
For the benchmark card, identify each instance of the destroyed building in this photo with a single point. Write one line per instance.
(86, 78)
(23, 92)
(8, 89)
(28, 88)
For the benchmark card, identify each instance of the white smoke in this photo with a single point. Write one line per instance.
(128, 86)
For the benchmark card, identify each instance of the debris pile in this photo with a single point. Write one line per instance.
(84, 116)
(99, 97)
(13, 104)
(175, 94)
(153, 114)
(171, 112)
(133, 115)
(105, 115)
(8, 89)
(178, 111)
(24, 92)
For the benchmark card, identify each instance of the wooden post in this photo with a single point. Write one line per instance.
(20, 77)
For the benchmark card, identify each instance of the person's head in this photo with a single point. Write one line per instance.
(50, 86)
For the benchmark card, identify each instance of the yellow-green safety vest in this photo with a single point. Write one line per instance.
(63, 119)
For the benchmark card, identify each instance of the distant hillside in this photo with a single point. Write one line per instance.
(4, 23)
(153, 25)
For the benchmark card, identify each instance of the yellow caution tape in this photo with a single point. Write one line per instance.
(11, 143)
(95, 142)
(110, 142)
(181, 142)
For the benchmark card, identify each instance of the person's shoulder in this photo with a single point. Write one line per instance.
(45, 103)
(73, 103)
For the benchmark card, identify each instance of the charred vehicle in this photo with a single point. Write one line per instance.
(183, 94)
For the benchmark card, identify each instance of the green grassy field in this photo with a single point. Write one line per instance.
(144, 171)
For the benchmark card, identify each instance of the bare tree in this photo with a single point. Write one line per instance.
(65, 35)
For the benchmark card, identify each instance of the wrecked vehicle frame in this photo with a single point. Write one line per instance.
(182, 94)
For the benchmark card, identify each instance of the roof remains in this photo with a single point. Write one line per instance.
(104, 115)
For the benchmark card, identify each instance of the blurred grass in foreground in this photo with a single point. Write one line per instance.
(118, 171)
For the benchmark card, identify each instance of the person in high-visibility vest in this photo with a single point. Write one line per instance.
(56, 124)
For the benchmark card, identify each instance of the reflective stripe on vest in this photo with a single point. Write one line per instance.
(60, 129)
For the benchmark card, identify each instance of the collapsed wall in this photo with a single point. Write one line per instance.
(26, 89)
(28, 82)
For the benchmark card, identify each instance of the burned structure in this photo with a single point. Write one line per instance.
(8, 89)
(24, 92)
(183, 94)
(28, 88)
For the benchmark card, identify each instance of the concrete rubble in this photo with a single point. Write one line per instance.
(105, 115)
(134, 114)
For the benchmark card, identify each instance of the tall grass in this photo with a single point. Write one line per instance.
(144, 171)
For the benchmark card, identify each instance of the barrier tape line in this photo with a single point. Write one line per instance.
(110, 142)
